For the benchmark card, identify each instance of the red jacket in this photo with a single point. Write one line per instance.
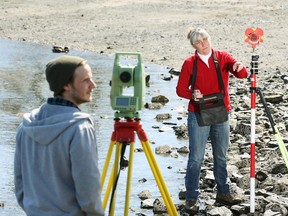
(207, 79)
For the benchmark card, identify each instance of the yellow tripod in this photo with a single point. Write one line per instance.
(123, 134)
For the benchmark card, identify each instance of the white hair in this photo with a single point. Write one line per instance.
(195, 34)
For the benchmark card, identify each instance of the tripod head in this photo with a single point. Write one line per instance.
(127, 77)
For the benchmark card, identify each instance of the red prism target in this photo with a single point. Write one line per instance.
(254, 36)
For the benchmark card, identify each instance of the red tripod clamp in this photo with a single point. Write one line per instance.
(124, 131)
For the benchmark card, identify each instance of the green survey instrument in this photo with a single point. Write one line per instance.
(127, 85)
(127, 98)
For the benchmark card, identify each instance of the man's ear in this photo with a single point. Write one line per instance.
(67, 87)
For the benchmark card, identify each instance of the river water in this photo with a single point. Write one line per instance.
(23, 87)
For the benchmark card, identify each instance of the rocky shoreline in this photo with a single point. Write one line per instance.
(271, 175)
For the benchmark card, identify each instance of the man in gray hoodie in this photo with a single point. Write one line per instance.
(56, 158)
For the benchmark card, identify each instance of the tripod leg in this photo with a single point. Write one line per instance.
(279, 139)
(159, 179)
(282, 147)
(112, 181)
(106, 165)
(108, 190)
(129, 178)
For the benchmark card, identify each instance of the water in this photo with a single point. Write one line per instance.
(23, 87)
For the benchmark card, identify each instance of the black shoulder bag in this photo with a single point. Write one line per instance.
(212, 107)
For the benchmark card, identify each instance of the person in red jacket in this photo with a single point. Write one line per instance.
(207, 83)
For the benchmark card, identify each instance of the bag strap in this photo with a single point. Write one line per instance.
(218, 72)
(194, 74)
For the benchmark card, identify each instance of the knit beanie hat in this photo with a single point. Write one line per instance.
(60, 71)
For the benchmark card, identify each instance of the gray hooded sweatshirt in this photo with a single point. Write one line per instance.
(56, 164)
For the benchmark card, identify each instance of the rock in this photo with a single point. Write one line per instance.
(153, 106)
(243, 129)
(275, 208)
(166, 78)
(181, 131)
(269, 212)
(281, 186)
(165, 128)
(261, 176)
(285, 79)
(163, 149)
(240, 209)
(219, 211)
(147, 79)
(160, 99)
(182, 170)
(274, 198)
(183, 150)
(140, 214)
(182, 195)
(173, 71)
(263, 193)
(209, 180)
(59, 49)
(233, 124)
(244, 182)
(159, 206)
(146, 194)
(163, 116)
(279, 168)
(147, 204)
(274, 98)
(174, 155)
(143, 180)
(169, 123)
(104, 116)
